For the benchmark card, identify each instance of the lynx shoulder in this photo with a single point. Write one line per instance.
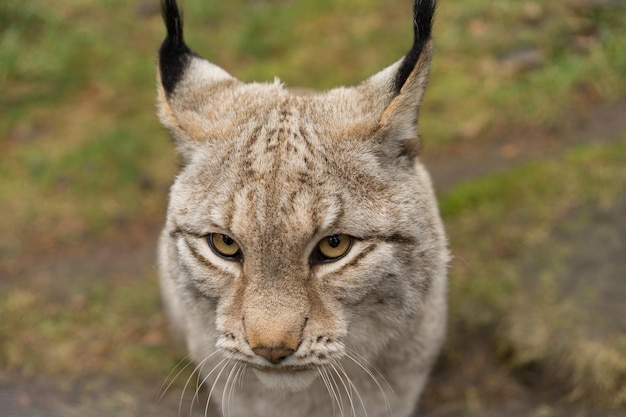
(303, 259)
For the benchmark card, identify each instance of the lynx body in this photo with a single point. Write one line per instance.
(303, 260)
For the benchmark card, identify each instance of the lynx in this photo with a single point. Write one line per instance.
(303, 259)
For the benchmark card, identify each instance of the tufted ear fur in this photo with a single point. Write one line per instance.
(192, 91)
(397, 91)
(185, 82)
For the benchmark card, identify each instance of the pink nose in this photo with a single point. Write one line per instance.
(273, 355)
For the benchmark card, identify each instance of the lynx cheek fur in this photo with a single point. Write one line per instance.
(303, 259)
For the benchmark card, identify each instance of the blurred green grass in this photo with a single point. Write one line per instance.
(83, 157)
(78, 81)
(517, 238)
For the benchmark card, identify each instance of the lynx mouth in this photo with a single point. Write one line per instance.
(284, 370)
(287, 378)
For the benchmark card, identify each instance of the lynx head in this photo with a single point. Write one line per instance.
(300, 227)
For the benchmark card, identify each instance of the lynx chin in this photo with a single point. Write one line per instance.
(303, 259)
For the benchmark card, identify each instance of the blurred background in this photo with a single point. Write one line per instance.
(524, 130)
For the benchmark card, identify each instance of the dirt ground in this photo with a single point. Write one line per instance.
(34, 396)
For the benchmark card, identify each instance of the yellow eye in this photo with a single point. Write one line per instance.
(224, 246)
(334, 247)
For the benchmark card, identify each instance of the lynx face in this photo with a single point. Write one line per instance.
(302, 234)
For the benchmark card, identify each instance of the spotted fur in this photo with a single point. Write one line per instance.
(279, 171)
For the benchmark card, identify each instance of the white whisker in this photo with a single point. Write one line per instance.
(373, 377)
(163, 391)
(345, 387)
(353, 387)
(331, 391)
(243, 375)
(236, 380)
(337, 391)
(323, 378)
(197, 368)
(231, 389)
(200, 379)
(208, 400)
(364, 363)
(227, 389)
(199, 384)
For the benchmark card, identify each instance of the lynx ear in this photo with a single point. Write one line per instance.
(398, 90)
(185, 80)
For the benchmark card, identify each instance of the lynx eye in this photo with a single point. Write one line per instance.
(224, 246)
(332, 248)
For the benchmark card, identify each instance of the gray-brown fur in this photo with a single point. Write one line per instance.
(278, 172)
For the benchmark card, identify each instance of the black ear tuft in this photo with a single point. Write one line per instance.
(423, 12)
(174, 55)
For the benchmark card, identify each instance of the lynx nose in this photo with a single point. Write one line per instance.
(274, 355)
